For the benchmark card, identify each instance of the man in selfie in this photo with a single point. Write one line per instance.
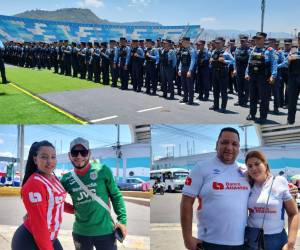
(93, 226)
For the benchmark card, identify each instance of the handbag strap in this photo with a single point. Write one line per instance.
(92, 195)
(267, 203)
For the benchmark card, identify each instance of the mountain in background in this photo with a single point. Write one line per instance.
(75, 15)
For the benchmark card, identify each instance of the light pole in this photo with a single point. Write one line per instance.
(263, 7)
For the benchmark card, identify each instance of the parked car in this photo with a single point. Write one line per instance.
(134, 184)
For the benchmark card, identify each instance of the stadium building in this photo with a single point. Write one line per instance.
(27, 30)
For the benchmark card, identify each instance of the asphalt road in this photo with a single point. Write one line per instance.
(165, 230)
(112, 105)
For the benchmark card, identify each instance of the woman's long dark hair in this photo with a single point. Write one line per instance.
(31, 167)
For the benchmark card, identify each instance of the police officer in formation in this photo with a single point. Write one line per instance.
(151, 67)
(241, 61)
(261, 72)
(167, 68)
(283, 74)
(294, 81)
(202, 71)
(124, 59)
(220, 61)
(186, 70)
(2, 67)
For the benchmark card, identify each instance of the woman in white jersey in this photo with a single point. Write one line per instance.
(280, 201)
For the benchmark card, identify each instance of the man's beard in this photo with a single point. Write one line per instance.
(80, 167)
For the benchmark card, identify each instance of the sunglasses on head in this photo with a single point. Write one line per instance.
(83, 152)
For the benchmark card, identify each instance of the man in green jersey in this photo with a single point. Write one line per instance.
(93, 225)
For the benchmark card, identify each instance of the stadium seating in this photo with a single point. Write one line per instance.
(27, 30)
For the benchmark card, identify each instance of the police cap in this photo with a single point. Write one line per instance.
(61, 41)
(186, 39)
(83, 43)
(90, 44)
(148, 40)
(232, 40)
(73, 44)
(141, 41)
(112, 41)
(219, 39)
(261, 35)
(201, 42)
(243, 37)
(135, 40)
(271, 39)
(288, 41)
(66, 41)
(104, 44)
(123, 39)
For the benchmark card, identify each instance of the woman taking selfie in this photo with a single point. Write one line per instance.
(43, 197)
(269, 199)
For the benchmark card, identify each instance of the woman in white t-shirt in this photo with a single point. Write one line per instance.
(280, 200)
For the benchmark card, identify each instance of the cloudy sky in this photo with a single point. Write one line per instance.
(219, 14)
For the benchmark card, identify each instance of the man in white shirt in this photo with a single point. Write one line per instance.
(222, 191)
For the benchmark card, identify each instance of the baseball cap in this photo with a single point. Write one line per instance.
(79, 141)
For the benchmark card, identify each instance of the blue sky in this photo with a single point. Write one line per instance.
(204, 137)
(60, 136)
(219, 14)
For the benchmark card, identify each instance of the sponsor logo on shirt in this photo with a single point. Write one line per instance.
(35, 197)
(188, 181)
(228, 186)
(262, 210)
(217, 186)
(93, 176)
(217, 171)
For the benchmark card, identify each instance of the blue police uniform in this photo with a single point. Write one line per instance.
(124, 59)
(96, 59)
(187, 64)
(104, 63)
(74, 59)
(220, 77)
(114, 69)
(137, 61)
(2, 67)
(89, 60)
(294, 84)
(151, 67)
(241, 61)
(283, 76)
(279, 57)
(168, 65)
(203, 74)
(261, 66)
(82, 60)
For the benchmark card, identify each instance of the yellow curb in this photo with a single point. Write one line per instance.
(138, 194)
(49, 105)
(10, 191)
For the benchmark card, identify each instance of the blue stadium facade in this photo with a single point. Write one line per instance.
(28, 30)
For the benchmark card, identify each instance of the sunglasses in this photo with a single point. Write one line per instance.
(83, 152)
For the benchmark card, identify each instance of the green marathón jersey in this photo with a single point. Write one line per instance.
(91, 219)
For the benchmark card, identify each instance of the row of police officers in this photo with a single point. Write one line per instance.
(256, 70)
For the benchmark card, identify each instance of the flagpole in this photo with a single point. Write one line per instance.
(263, 7)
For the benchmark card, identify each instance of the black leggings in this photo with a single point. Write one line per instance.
(103, 242)
(23, 240)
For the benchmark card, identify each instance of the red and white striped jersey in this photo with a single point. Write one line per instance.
(44, 201)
